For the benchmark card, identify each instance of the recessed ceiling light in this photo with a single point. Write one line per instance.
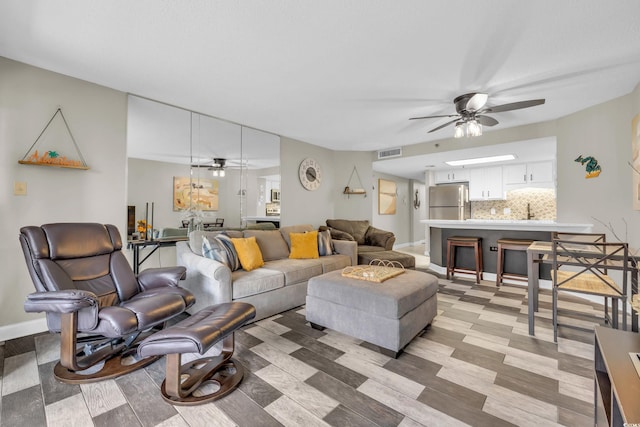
(479, 160)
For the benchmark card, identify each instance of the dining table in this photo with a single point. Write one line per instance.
(540, 252)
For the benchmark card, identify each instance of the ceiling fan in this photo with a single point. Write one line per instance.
(472, 112)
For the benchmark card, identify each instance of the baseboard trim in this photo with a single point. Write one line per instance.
(23, 329)
(404, 245)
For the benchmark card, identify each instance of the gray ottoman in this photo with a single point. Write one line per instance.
(388, 314)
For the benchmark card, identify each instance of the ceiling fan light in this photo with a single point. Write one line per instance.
(474, 128)
(459, 132)
(215, 173)
(222, 173)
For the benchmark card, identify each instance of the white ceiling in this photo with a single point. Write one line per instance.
(346, 75)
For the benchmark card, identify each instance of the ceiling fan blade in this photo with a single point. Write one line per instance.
(444, 125)
(486, 120)
(434, 117)
(477, 101)
(513, 106)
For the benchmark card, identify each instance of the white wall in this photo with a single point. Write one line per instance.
(604, 132)
(97, 117)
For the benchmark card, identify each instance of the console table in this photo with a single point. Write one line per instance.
(617, 384)
(136, 245)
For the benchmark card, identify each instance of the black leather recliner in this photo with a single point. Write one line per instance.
(91, 296)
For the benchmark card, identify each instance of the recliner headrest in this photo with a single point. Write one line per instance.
(79, 240)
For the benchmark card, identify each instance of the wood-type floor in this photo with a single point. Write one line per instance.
(475, 365)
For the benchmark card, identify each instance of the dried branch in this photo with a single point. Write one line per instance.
(611, 229)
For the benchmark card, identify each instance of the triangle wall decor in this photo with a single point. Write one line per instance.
(56, 137)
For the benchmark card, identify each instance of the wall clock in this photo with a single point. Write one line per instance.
(310, 174)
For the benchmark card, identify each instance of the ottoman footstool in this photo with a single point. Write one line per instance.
(388, 314)
(197, 334)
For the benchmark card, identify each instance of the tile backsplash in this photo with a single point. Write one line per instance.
(542, 202)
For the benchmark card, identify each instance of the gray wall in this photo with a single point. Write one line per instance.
(97, 117)
(399, 223)
(300, 206)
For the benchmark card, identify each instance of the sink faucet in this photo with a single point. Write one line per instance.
(529, 214)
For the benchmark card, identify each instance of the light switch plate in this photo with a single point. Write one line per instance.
(20, 188)
(506, 211)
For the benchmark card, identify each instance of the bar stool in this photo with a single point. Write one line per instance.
(464, 241)
(512, 245)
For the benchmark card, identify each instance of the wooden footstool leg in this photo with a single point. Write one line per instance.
(220, 373)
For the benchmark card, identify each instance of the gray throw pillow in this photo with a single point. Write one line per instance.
(325, 244)
(220, 248)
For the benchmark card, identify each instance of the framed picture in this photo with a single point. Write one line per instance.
(386, 197)
(201, 194)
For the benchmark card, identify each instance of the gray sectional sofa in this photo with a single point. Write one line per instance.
(281, 284)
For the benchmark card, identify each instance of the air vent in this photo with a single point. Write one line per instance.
(392, 152)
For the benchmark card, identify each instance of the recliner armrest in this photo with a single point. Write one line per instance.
(378, 237)
(152, 278)
(68, 301)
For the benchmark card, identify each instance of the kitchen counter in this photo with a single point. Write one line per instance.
(500, 224)
(490, 231)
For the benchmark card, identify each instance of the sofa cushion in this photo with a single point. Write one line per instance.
(285, 231)
(357, 228)
(247, 283)
(335, 262)
(195, 238)
(296, 270)
(248, 253)
(272, 244)
(325, 244)
(304, 245)
(221, 249)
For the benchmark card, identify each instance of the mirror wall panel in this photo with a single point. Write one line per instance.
(229, 169)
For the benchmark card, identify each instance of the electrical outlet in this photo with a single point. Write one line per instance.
(493, 248)
(20, 188)
(506, 211)
(493, 211)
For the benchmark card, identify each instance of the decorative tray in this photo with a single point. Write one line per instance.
(377, 271)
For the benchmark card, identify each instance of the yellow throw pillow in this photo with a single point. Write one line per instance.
(304, 245)
(248, 253)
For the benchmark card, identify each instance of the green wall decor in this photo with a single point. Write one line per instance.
(592, 167)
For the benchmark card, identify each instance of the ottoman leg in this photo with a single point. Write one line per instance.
(221, 373)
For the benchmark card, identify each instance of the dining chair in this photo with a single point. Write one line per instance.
(581, 266)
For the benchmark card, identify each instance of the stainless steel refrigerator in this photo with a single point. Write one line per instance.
(449, 201)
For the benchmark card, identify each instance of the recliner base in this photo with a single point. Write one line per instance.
(112, 368)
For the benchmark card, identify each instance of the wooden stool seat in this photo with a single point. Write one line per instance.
(513, 245)
(464, 241)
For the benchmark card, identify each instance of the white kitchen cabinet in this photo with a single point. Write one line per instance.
(485, 183)
(531, 174)
(451, 175)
